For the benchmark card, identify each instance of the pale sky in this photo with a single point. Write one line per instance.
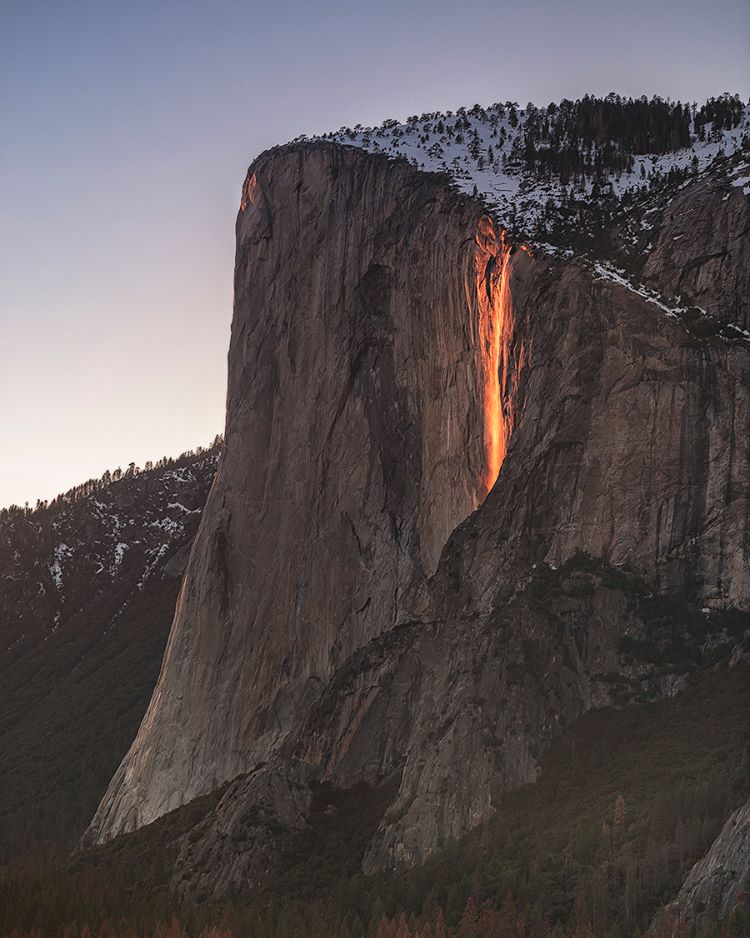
(126, 130)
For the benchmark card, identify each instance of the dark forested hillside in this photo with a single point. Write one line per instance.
(626, 802)
(88, 585)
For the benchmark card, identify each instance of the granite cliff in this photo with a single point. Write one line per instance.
(461, 478)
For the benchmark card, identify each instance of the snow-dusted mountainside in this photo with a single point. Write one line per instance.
(105, 535)
(601, 180)
(532, 165)
(88, 585)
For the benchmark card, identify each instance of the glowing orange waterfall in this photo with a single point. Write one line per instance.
(495, 324)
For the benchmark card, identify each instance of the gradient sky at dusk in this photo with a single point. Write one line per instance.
(126, 132)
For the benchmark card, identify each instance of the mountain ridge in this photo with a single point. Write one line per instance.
(494, 152)
(566, 484)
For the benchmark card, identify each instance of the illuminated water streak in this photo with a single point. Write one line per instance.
(495, 324)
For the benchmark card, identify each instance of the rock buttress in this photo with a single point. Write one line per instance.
(356, 440)
(346, 618)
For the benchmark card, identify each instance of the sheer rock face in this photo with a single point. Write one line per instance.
(701, 251)
(355, 444)
(627, 442)
(331, 627)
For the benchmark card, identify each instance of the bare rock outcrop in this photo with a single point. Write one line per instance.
(718, 882)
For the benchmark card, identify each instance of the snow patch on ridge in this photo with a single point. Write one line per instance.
(61, 552)
(616, 275)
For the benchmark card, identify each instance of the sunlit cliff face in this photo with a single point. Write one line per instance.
(493, 265)
(249, 192)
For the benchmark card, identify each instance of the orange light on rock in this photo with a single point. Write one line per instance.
(495, 323)
(249, 192)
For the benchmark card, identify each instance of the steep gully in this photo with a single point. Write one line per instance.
(348, 616)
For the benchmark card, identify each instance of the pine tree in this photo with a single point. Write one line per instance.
(468, 925)
(618, 819)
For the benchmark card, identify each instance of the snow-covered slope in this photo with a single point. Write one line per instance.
(485, 151)
(599, 179)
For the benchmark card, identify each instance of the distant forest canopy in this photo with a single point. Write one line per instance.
(111, 476)
(613, 130)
